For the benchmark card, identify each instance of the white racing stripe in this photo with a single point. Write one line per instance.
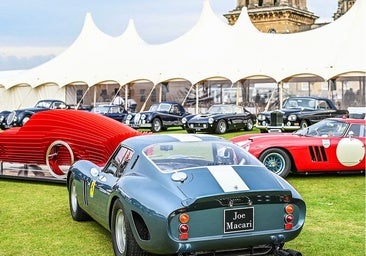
(227, 178)
(185, 137)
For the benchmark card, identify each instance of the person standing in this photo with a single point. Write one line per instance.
(118, 100)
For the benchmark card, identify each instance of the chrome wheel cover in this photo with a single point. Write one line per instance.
(73, 197)
(120, 231)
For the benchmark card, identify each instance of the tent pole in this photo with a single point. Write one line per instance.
(126, 96)
(160, 93)
(237, 93)
(280, 89)
(197, 100)
(115, 95)
(189, 91)
(95, 95)
(82, 98)
(148, 97)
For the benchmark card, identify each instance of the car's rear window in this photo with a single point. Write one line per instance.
(174, 156)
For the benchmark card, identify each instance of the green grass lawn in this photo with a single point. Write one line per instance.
(35, 219)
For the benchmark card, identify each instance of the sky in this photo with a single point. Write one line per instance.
(33, 32)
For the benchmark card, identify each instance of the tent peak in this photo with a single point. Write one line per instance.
(244, 22)
(131, 34)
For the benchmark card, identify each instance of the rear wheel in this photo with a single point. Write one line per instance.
(304, 124)
(277, 161)
(221, 126)
(59, 157)
(77, 213)
(156, 125)
(124, 243)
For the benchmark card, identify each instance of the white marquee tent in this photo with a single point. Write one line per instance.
(210, 49)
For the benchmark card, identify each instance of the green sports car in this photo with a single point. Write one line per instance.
(187, 194)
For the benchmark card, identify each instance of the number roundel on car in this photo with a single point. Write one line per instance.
(350, 151)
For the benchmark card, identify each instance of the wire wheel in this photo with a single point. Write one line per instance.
(277, 161)
(156, 125)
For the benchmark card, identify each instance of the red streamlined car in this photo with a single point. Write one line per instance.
(331, 145)
(57, 138)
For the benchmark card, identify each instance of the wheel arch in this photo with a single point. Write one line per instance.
(25, 114)
(135, 220)
(306, 120)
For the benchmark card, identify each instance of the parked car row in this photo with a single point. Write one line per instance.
(218, 119)
(297, 112)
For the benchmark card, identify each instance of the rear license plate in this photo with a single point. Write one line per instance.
(238, 220)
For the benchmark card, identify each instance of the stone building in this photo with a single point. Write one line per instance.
(275, 16)
(282, 16)
(343, 7)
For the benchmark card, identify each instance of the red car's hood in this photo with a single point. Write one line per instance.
(262, 136)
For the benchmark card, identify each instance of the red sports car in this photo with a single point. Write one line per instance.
(57, 138)
(331, 145)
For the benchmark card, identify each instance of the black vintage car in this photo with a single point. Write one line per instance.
(159, 117)
(19, 117)
(115, 112)
(220, 119)
(298, 112)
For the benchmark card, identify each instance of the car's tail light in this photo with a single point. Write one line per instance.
(289, 209)
(289, 217)
(183, 227)
(184, 218)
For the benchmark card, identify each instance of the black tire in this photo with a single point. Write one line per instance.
(156, 125)
(221, 127)
(276, 160)
(304, 124)
(249, 125)
(124, 243)
(77, 213)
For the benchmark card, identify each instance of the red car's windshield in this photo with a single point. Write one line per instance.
(327, 127)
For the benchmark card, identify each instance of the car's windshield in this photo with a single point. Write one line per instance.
(174, 156)
(100, 109)
(220, 109)
(327, 127)
(43, 104)
(300, 103)
(160, 107)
